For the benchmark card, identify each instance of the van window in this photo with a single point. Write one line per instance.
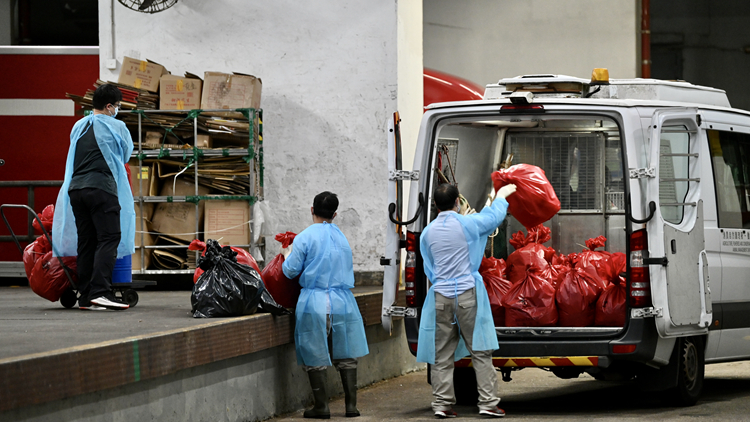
(673, 168)
(730, 158)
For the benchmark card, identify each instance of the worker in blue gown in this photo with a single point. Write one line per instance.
(94, 215)
(456, 317)
(329, 328)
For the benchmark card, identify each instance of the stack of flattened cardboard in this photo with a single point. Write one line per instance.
(176, 223)
(223, 175)
(168, 227)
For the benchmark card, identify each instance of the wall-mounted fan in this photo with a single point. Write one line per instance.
(148, 6)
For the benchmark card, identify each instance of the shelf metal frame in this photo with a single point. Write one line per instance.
(255, 191)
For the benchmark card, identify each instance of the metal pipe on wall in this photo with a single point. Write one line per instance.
(645, 39)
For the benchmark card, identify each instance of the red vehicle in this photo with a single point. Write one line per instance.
(37, 119)
(441, 87)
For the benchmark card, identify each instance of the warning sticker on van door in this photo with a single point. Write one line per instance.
(737, 241)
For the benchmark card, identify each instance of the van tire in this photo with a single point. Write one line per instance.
(465, 386)
(691, 366)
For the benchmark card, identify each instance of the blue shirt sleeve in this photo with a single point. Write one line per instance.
(490, 217)
(295, 262)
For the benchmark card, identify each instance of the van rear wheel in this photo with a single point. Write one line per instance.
(691, 367)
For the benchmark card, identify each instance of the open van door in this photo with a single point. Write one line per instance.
(678, 263)
(394, 232)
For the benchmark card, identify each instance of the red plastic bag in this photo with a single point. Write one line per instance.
(33, 252)
(611, 308)
(492, 271)
(48, 279)
(530, 255)
(243, 257)
(286, 239)
(560, 266)
(535, 200)
(530, 303)
(586, 260)
(576, 298)
(284, 291)
(46, 216)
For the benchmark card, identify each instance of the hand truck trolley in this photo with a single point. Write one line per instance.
(69, 298)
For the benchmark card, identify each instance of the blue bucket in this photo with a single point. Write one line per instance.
(123, 272)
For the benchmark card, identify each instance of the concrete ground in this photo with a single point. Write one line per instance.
(30, 324)
(536, 395)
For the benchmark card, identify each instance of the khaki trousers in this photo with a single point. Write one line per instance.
(446, 341)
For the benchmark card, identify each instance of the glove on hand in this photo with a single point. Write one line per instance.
(506, 190)
(286, 251)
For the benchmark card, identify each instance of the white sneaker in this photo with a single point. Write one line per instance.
(109, 303)
(93, 307)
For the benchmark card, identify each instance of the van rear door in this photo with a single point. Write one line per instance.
(679, 276)
(394, 232)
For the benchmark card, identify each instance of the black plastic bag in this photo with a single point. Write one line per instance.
(227, 288)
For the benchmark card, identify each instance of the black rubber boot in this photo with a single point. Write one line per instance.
(349, 381)
(318, 384)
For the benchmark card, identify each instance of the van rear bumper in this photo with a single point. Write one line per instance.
(530, 349)
(640, 333)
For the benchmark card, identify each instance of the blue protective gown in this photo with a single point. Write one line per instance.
(116, 145)
(322, 255)
(477, 227)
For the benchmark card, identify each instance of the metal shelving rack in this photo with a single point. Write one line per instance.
(254, 154)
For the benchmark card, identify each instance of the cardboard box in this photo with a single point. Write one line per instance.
(202, 141)
(230, 91)
(177, 219)
(153, 139)
(179, 93)
(143, 221)
(143, 182)
(148, 240)
(141, 74)
(228, 221)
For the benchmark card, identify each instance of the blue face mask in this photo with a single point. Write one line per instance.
(116, 110)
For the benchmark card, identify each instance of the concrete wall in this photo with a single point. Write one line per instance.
(332, 71)
(248, 388)
(486, 40)
(705, 43)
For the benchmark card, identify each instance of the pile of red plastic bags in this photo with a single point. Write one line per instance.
(538, 287)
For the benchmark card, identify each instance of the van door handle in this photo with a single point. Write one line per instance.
(651, 211)
(392, 210)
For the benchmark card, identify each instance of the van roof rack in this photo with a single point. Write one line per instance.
(564, 86)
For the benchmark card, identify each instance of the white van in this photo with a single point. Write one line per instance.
(660, 168)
